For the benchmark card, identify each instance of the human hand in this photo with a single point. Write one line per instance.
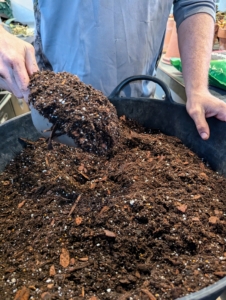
(17, 63)
(201, 105)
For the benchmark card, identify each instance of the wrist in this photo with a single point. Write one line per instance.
(192, 93)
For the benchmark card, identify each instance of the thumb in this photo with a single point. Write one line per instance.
(201, 123)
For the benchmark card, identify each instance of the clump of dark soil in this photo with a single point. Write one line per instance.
(147, 222)
(75, 109)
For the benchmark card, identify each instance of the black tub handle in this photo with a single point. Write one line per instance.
(115, 93)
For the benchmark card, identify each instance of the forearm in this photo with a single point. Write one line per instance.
(195, 36)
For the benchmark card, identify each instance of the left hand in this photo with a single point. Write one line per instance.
(201, 105)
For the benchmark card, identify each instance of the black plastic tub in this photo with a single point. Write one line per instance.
(166, 115)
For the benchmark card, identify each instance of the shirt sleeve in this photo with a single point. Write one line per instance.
(186, 8)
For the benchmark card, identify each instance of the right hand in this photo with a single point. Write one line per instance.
(17, 63)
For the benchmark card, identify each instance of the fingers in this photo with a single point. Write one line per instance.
(198, 116)
(17, 63)
(20, 75)
(23, 68)
(30, 61)
(205, 106)
(8, 83)
(14, 74)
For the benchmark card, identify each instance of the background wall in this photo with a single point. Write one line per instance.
(221, 4)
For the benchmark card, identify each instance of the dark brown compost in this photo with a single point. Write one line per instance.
(145, 221)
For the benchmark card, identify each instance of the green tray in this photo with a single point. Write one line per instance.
(217, 72)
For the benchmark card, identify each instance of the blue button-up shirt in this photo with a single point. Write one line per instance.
(105, 41)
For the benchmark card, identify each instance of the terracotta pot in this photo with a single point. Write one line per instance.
(169, 29)
(222, 38)
(173, 48)
(222, 33)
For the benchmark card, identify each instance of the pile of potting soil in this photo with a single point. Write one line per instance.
(146, 222)
(75, 109)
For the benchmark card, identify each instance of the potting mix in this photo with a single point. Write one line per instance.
(130, 214)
